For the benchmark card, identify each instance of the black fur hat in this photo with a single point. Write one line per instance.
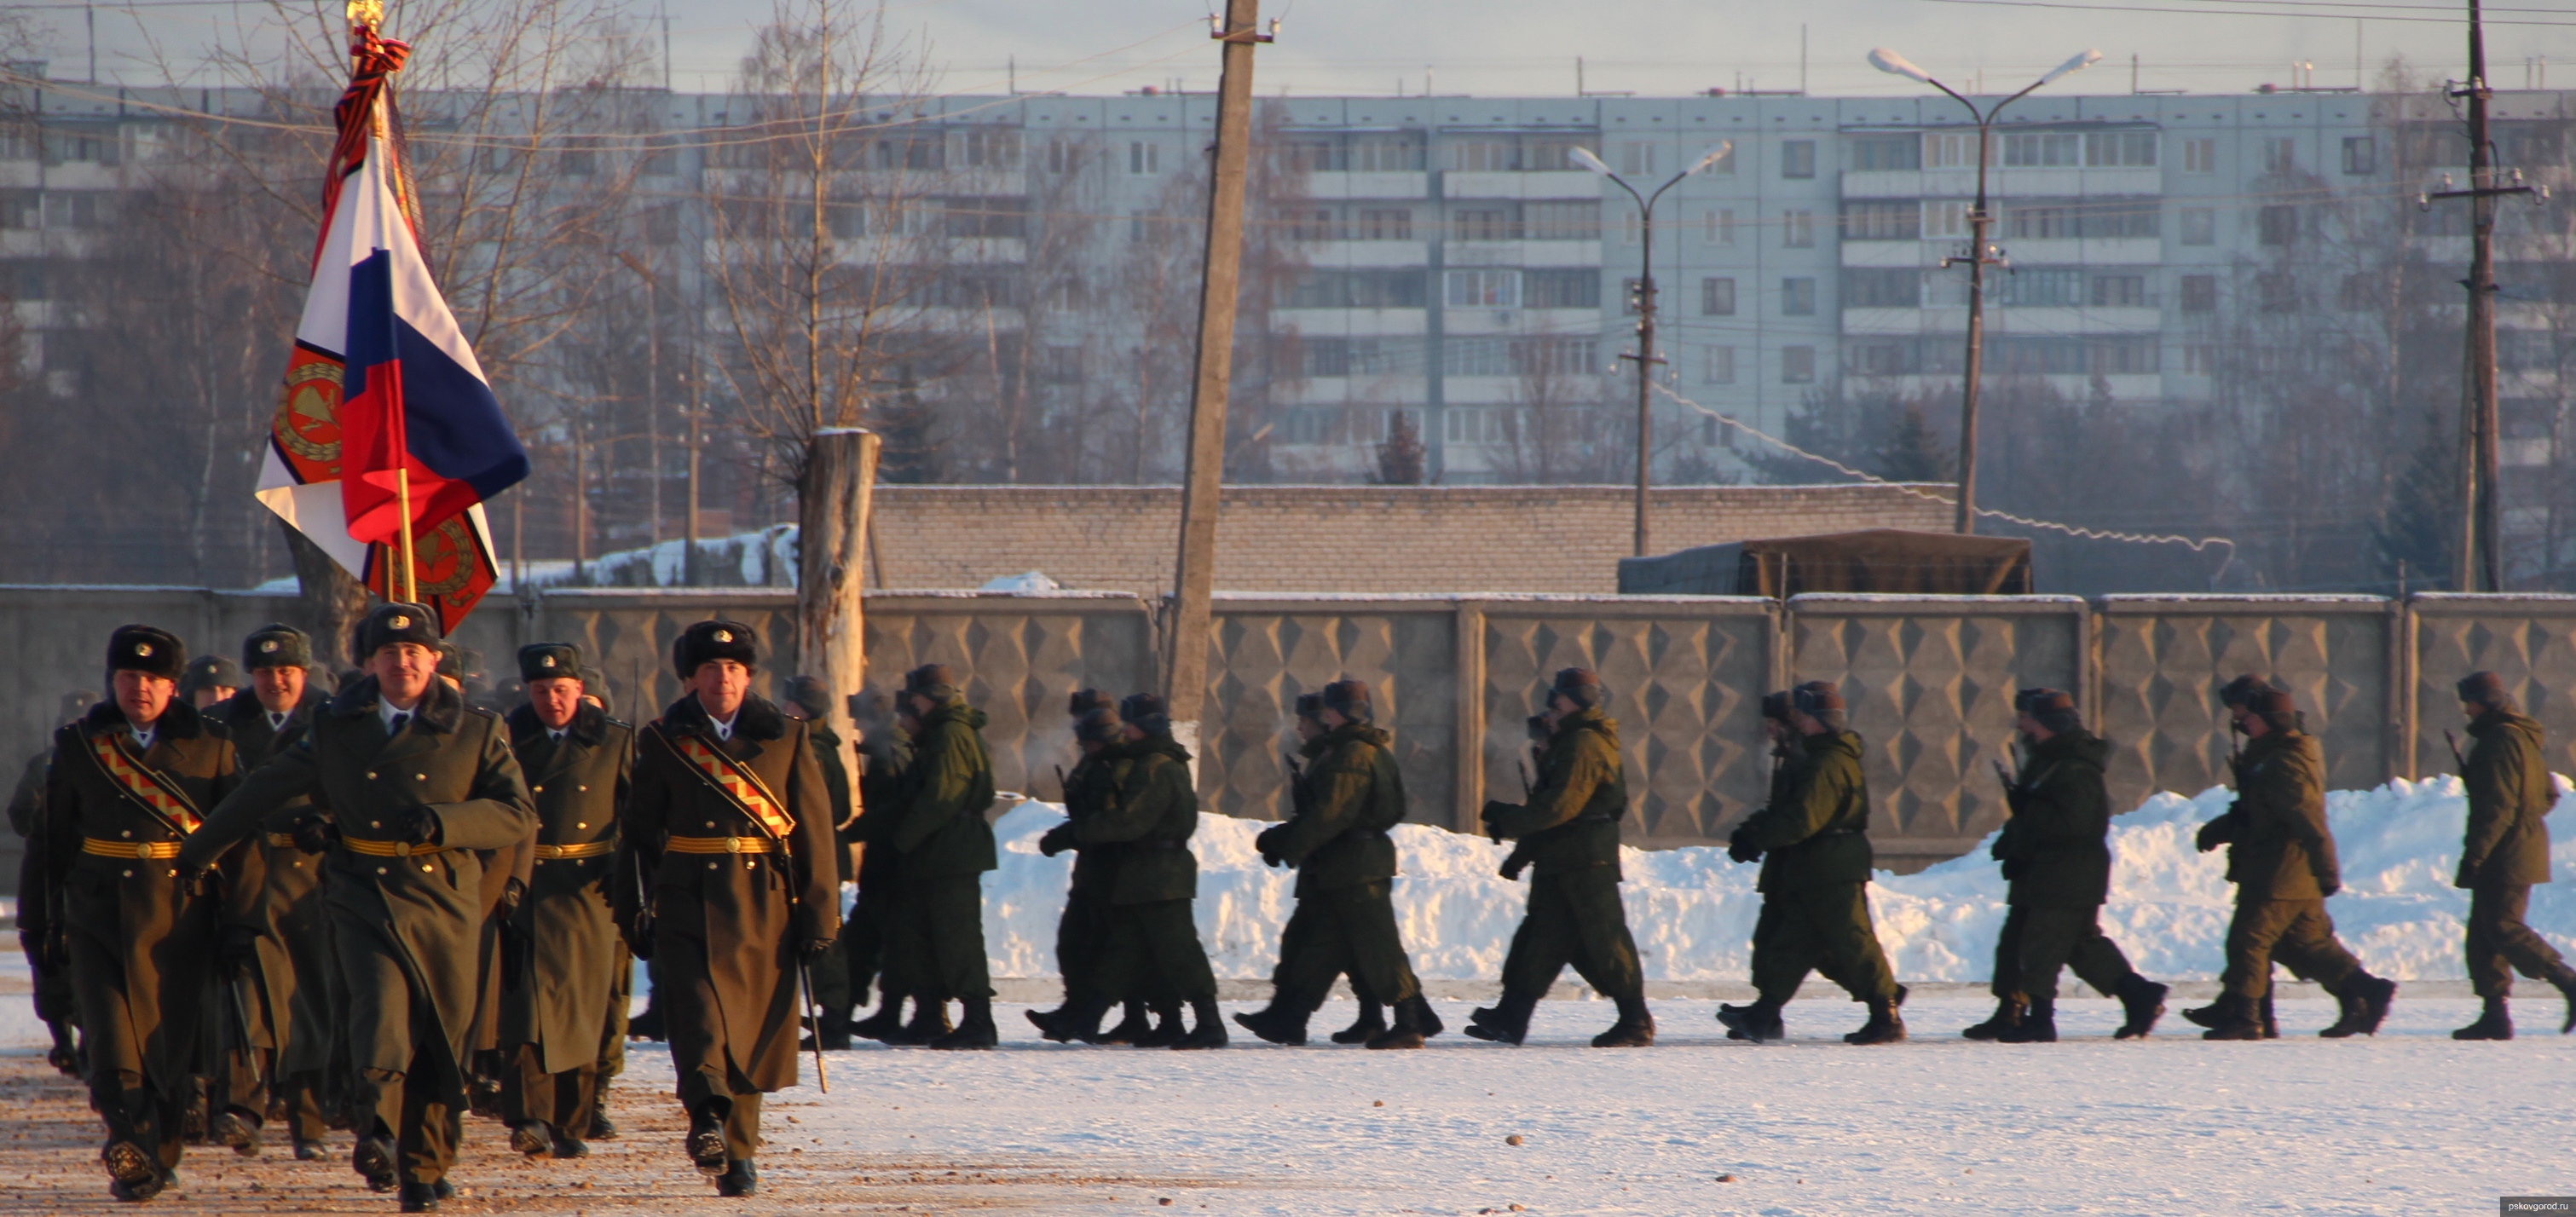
(1100, 724)
(277, 645)
(549, 661)
(1310, 706)
(812, 694)
(1146, 712)
(2485, 689)
(1084, 701)
(147, 649)
(211, 672)
(387, 624)
(936, 681)
(1821, 700)
(1350, 699)
(2051, 708)
(708, 641)
(1582, 686)
(2244, 689)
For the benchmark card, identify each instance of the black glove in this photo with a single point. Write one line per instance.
(238, 949)
(1741, 850)
(2216, 833)
(639, 935)
(1268, 841)
(2015, 868)
(1493, 809)
(314, 834)
(814, 948)
(1513, 866)
(1057, 839)
(420, 826)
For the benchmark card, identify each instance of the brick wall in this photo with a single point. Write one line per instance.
(1346, 538)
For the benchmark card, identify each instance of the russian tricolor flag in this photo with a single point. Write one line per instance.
(409, 395)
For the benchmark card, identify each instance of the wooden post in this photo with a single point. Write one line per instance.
(1194, 579)
(831, 542)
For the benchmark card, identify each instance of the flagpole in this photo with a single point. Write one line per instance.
(410, 583)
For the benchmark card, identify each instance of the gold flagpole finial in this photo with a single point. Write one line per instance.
(366, 14)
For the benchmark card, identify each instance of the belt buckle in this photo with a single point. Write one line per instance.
(733, 845)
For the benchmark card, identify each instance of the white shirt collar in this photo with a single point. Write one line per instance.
(724, 726)
(277, 719)
(385, 712)
(143, 736)
(556, 733)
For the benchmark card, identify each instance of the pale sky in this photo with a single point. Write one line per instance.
(1516, 47)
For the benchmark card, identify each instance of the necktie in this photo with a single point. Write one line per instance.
(402, 719)
(275, 720)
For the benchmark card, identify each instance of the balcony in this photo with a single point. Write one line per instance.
(2084, 251)
(1339, 184)
(1367, 255)
(1551, 184)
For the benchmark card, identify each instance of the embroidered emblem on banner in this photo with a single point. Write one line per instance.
(168, 804)
(740, 785)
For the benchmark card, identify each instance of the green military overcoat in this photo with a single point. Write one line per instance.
(1816, 834)
(1353, 795)
(1150, 815)
(2284, 850)
(1571, 821)
(2055, 849)
(2507, 842)
(560, 975)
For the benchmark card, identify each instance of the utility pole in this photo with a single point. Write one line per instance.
(1981, 253)
(1644, 299)
(1194, 575)
(2479, 566)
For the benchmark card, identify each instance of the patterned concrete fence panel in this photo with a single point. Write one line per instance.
(2528, 640)
(1025, 656)
(1267, 649)
(2162, 660)
(1686, 676)
(1928, 681)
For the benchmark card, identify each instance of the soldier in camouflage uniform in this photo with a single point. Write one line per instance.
(946, 845)
(2504, 851)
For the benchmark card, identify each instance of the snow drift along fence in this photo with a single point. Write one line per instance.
(1929, 679)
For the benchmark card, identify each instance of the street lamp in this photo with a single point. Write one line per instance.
(1645, 353)
(1979, 256)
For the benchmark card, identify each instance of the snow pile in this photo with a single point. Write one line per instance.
(1692, 910)
(762, 558)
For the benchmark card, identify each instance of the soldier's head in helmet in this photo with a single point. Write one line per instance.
(278, 657)
(211, 680)
(144, 665)
(399, 645)
(1574, 691)
(715, 661)
(2045, 714)
(551, 671)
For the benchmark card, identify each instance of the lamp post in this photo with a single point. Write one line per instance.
(1645, 352)
(1981, 254)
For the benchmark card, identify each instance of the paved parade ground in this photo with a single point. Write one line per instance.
(2409, 1123)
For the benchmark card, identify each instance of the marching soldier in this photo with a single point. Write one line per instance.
(423, 790)
(211, 681)
(809, 700)
(621, 981)
(729, 827)
(2056, 859)
(1149, 939)
(130, 782)
(2283, 864)
(885, 752)
(46, 962)
(1346, 867)
(1568, 833)
(561, 943)
(946, 845)
(276, 948)
(2505, 851)
(1815, 879)
(1370, 1021)
(1088, 792)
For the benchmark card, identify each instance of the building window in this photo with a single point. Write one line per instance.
(1636, 158)
(1628, 227)
(1063, 365)
(1386, 224)
(1797, 365)
(2280, 156)
(1945, 218)
(2199, 226)
(2042, 150)
(1561, 221)
(1482, 156)
(2119, 291)
(2278, 224)
(1882, 287)
(2049, 223)
(2120, 149)
(1798, 158)
(1883, 220)
(2199, 360)
(1881, 153)
(2043, 287)
(2360, 154)
(1717, 297)
(1720, 368)
(1952, 150)
(2200, 156)
(1561, 289)
(1797, 297)
(1310, 224)
(1798, 229)
(2200, 293)
(1137, 225)
(1483, 224)
(1144, 158)
(1721, 226)
(1487, 288)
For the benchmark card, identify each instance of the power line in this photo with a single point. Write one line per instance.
(2204, 12)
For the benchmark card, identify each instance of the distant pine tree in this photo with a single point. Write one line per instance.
(2418, 524)
(1400, 459)
(911, 454)
(1914, 452)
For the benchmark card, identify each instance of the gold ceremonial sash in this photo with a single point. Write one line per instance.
(129, 849)
(738, 785)
(589, 849)
(389, 849)
(145, 786)
(721, 845)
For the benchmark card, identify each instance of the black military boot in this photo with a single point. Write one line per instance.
(569, 1146)
(1635, 1028)
(310, 1151)
(741, 1177)
(1504, 1022)
(2365, 999)
(2142, 1002)
(2038, 1024)
(1759, 1022)
(2495, 1023)
(1168, 1028)
(1403, 1033)
(2271, 1018)
(975, 1031)
(1368, 1026)
(1885, 1025)
(1282, 1022)
(64, 1056)
(236, 1128)
(373, 1159)
(1210, 1031)
(2007, 1015)
(886, 1022)
(929, 1022)
(2567, 991)
(420, 1197)
(601, 1127)
(2231, 1017)
(131, 1167)
(1133, 1025)
(532, 1138)
(706, 1143)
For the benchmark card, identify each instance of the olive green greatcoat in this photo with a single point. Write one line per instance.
(937, 949)
(2056, 847)
(1354, 795)
(1150, 941)
(1814, 834)
(141, 933)
(1571, 821)
(285, 906)
(726, 929)
(2284, 851)
(2510, 795)
(408, 931)
(560, 989)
